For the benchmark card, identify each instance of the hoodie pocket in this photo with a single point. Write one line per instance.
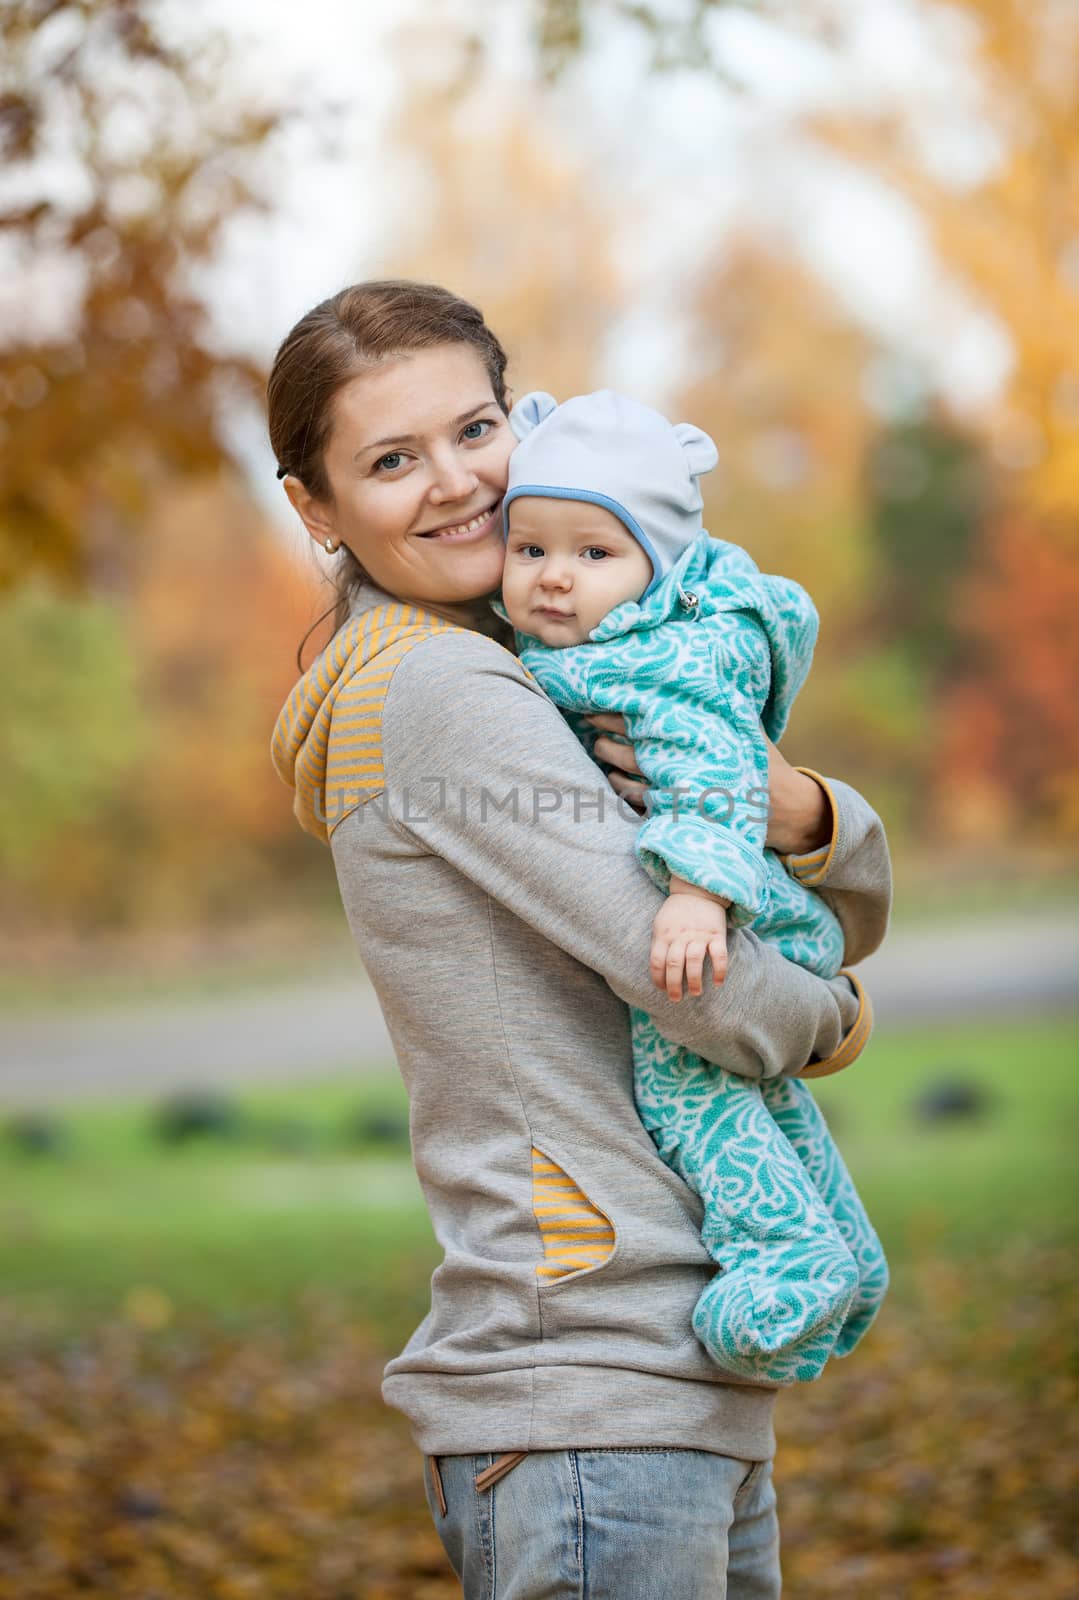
(576, 1235)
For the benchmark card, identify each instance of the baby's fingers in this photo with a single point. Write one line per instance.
(675, 966)
(696, 950)
(717, 949)
(657, 962)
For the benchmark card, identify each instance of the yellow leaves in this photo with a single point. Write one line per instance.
(781, 392)
(148, 1308)
(515, 223)
(1011, 240)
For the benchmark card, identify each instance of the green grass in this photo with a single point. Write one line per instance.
(244, 1228)
(1009, 1175)
(234, 1226)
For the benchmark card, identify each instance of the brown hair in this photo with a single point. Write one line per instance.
(340, 338)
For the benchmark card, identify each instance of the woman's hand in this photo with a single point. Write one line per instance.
(800, 813)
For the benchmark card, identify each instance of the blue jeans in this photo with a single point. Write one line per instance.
(634, 1524)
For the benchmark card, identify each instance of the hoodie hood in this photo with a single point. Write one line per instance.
(327, 742)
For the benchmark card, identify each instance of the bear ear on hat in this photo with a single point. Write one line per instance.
(530, 411)
(700, 451)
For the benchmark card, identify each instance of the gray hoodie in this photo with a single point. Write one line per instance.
(488, 874)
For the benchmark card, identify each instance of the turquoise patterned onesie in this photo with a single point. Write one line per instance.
(713, 651)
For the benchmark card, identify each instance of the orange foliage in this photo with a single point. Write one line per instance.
(1007, 736)
(195, 827)
(1011, 238)
(126, 384)
(1010, 732)
(218, 606)
(780, 391)
(511, 221)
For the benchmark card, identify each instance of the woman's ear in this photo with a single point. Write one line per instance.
(700, 451)
(530, 411)
(314, 514)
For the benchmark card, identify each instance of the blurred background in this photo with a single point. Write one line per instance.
(843, 238)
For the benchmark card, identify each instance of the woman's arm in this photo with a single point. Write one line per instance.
(852, 869)
(469, 746)
(827, 834)
(800, 815)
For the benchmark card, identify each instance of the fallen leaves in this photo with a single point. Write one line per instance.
(149, 1461)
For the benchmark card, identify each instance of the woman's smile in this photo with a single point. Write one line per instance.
(463, 532)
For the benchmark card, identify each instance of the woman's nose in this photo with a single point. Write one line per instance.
(453, 479)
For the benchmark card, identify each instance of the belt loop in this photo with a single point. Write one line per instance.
(436, 1479)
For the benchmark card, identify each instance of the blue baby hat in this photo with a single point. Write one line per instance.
(617, 453)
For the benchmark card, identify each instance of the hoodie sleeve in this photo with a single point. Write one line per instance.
(483, 772)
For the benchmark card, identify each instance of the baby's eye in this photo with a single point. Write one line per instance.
(469, 431)
(532, 551)
(595, 551)
(389, 462)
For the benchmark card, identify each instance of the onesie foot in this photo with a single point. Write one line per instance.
(778, 1321)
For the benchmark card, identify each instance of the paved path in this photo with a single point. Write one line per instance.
(991, 968)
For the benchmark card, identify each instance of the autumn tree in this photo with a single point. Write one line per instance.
(1008, 734)
(679, 35)
(511, 221)
(138, 789)
(1005, 226)
(778, 384)
(124, 155)
(1010, 235)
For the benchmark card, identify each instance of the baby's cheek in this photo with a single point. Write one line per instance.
(513, 592)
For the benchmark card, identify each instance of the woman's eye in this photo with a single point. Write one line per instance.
(470, 430)
(389, 462)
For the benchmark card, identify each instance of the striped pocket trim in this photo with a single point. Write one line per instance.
(576, 1235)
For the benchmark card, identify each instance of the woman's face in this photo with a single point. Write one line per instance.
(417, 461)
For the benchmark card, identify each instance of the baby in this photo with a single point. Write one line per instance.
(623, 603)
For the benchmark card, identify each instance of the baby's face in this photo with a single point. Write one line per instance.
(568, 563)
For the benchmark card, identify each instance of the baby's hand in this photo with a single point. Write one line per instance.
(688, 926)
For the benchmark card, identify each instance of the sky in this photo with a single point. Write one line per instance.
(686, 159)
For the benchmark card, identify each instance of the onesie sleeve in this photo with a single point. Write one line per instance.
(559, 854)
(707, 768)
(709, 811)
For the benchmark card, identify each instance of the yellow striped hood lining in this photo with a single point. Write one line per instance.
(327, 743)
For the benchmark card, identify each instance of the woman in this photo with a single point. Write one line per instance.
(578, 1438)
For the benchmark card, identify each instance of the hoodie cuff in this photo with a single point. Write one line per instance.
(812, 868)
(853, 1042)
